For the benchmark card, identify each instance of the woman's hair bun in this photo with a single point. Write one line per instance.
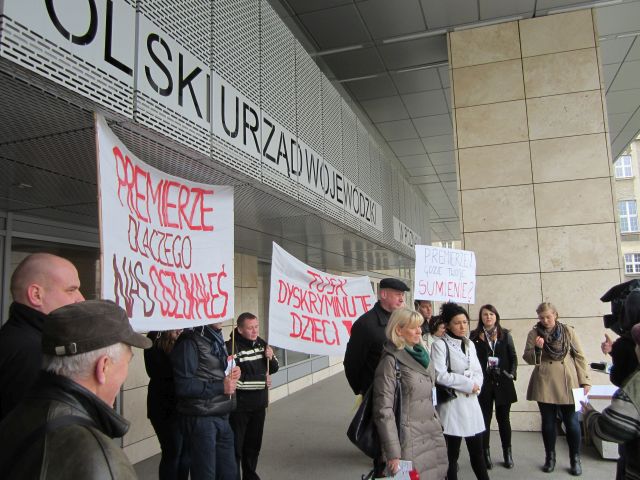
(451, 309)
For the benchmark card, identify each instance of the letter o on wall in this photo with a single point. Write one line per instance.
(90, 34)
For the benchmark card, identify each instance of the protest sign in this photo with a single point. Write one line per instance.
(311, 311)
(167, 243)
(445, 274)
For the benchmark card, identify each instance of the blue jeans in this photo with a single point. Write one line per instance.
(209, 442)
(549, 413)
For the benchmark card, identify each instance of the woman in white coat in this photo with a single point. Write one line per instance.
(456, 364)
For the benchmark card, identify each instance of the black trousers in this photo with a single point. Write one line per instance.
(247, 428)
(502, 416)
(174, 460)
(474, 446)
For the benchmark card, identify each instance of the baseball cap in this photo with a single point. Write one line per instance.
(394, 283)
(87, 326)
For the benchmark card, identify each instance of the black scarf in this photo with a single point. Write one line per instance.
(556, 340)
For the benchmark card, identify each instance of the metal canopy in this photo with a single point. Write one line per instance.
(391, 58)
(48, 165)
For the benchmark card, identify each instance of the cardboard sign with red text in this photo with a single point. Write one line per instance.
(445, 274)
(167, 243)
(311, 311)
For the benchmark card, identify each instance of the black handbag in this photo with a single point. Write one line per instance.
(362, 430)
(444, 394)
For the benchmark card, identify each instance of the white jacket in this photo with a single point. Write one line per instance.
(462, 416)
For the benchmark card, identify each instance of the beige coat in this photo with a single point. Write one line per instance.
(552, 381)
(422, 438)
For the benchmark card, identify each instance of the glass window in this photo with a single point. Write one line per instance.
(628, 216)
(623, 167)
(632, 263)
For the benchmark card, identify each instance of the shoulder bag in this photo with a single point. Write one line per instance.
(444, 394)
(362, 429)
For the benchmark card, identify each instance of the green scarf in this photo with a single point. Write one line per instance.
(419, 353)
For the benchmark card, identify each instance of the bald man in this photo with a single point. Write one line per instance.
(40, 283)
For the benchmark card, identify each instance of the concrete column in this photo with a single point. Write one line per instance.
(535, 176)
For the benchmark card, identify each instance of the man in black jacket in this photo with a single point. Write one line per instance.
(205, 388)
(367, 335)
(64, 427)
(251, 354)
(40, 283)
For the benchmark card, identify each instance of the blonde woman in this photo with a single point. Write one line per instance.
(420, 437)
(560, 366)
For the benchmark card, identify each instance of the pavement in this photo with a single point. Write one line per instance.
(305, 438)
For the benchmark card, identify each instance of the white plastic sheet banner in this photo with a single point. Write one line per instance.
(445, 274)
(167, 243)
(311, 311)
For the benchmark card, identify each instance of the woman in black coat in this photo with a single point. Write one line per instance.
(497, 356)
(161, 406)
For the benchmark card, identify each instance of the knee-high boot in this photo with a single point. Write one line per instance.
(549, 462)
(508, 459)
(487, 459)
(576, 468)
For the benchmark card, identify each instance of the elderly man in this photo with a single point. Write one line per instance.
(367, 335)
(40, 283)
(64, 427)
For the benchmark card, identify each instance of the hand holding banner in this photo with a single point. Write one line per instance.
(311, 311)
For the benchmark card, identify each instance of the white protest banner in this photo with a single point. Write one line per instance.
(445, 274)
(311, 311)
(167, 243)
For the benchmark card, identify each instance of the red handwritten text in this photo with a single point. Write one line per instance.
(314, 330)
(167, 202)
(322, 303)
(178, 294)
(167, 249)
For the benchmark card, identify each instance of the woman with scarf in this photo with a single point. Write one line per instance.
(560, 366)
(456, 363)
(499, 362)
(419, 437)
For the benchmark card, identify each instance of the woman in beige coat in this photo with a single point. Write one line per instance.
(560, 366)
(420, 437)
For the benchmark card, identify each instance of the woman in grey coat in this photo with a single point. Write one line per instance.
(420, 437)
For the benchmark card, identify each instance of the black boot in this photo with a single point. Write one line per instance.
(487, 459)
(549, 462)
(508, 459)
(576, 468)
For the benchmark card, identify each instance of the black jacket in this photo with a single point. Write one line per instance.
(199, 359)
(75, 451)
(251, 391)
(365, 348)
(20, 355)
(624, 359)
(161, 394)
(498, 383)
